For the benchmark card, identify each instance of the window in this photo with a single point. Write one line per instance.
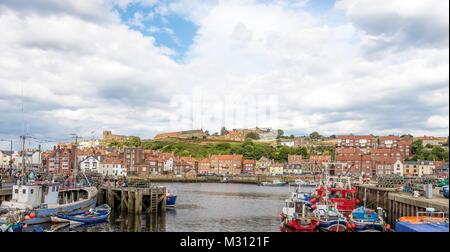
(53, 188)
(31, 191)
(24, 191)
(16, 191)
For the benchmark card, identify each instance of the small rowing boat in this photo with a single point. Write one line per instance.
(96, 215)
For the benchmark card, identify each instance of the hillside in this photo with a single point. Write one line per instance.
(249, 149)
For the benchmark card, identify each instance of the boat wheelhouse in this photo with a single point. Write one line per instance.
(50, 199)
(339, 191)
(295, 217)
(364, 219)
(331, 219)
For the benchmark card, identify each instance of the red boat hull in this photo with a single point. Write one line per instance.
(295, 226)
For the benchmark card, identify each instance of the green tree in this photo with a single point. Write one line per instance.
(280, 133)
(315, 136)
(417, 147)
(133, 142)
(223, 131)
(252, 135)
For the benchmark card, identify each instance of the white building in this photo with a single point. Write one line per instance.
(88, 144)
(33, 160)
(90, 164)
(287, 142)
(276, 169)
(112, 167)
(5, 158)
(168, 164)
(426, 167)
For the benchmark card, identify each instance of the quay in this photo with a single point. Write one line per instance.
(397, 203)
(137, 200)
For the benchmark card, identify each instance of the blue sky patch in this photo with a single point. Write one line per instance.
(168, 29)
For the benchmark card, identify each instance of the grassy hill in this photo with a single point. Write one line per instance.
(199, 148)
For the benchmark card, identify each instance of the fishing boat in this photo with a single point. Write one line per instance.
(95, 215)
(49, 199)
(274, 183)
(310, 184)
(363, 219)
(171, 200)
(295, 217)
(428, 221)
(330, 218)
(46, 199)
(340, 192)
(297, 182)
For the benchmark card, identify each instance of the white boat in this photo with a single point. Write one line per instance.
(49, 199)
(274, 183)
(297, 182)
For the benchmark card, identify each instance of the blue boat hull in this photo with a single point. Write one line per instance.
(171, 201)
(44, 215)
(333, 226)
(423, 227)
(375, 227)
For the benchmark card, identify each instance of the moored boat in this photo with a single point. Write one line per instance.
(297, 182)
(364, 219)
(95, 215)
(171, 200)
(296, 218)
(330, 219)
(49, 199)
(340, 192)
(429, 221)
(274, 183)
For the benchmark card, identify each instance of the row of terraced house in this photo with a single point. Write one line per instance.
(375, 156)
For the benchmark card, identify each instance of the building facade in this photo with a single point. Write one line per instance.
(90, 164)
(226, 164)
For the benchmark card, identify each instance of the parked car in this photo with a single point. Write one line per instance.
(444, 191)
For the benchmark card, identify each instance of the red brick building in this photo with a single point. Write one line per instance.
(60, 160)
(204, 166)
(352, 141)
(226, 164)
(249, 166)
(294, 159)
(357, 164)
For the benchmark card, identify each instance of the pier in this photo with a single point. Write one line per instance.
(397, 203)
(135, 200)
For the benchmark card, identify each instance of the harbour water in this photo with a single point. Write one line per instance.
(207, 207)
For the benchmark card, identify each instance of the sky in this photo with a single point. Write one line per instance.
(141, 67)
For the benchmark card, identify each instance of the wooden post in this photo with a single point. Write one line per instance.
(123, 201)
(138, 202)
(131, 196)
(164, 201)
(110, 198)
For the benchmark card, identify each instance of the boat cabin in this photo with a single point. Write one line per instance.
(42, 195)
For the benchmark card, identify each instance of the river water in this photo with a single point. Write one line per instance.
(206, 207)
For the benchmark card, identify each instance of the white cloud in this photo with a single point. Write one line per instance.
(82, 71)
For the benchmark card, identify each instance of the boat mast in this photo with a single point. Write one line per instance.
(23, 170)
(75, 161)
